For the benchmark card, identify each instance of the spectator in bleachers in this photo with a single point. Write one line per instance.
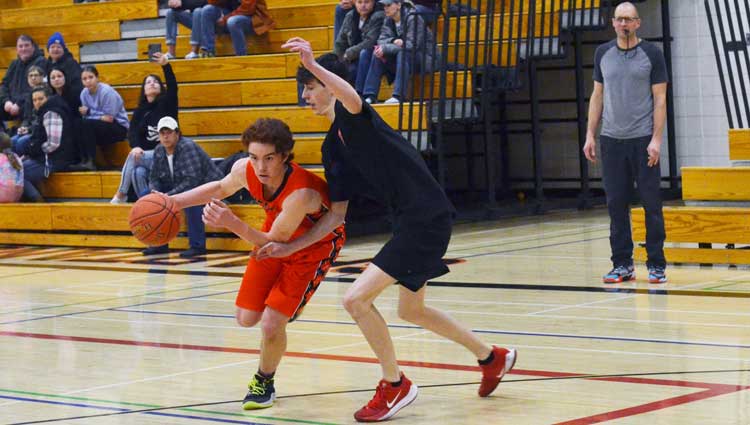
(35, 78)
(58, 82)
(14, 88)
(51, 148)
(11, 172)
(342, 9)
(187, 13)
(60, 57)
(155, 102)
(237, 18)
(429, 9)
(104, 119)
(180, 165)
(403, 37)
(358, 36)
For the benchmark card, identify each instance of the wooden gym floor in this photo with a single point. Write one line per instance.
(102, 336)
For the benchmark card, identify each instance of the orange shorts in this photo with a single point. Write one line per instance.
(287, 284)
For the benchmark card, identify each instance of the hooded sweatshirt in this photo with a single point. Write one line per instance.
(14, 86)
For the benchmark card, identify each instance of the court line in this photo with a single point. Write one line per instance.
(660, 290)
(109, 308)
(119, 411)
(710, 390)
(341, 322)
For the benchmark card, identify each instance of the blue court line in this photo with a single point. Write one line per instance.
(118, 409)
(482, 331)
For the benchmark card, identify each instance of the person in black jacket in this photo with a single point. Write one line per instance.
(51, 146)
(61, 58)
(14, 88)
(187, 13)
(156, 101)
(35, 78)
(357, 37)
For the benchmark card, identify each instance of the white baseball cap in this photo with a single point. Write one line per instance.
(167, 122)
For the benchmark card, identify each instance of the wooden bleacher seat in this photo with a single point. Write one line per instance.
(739, 144)
(91, 184)
(716, 183)
(690, 226)
(79, 32)
(267, 92)
(57, 224)
(62, 14)
(708, 234)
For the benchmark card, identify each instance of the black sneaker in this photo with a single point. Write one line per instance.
(193, 252)
(260, 395)
(620, 274)
(153, 250)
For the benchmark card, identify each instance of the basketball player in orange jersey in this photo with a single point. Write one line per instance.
(362, 153)
(273, 292)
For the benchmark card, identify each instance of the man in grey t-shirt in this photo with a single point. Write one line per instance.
(630, 86)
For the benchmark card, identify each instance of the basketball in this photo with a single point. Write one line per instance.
(154, 219)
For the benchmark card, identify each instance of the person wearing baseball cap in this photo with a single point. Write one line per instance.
(180, 165)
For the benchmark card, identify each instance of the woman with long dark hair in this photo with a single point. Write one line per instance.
(155, 102)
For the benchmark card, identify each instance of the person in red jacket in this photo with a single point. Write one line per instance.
(238, 18)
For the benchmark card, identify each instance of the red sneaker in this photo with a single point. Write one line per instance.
(493, 373)
(388, 400)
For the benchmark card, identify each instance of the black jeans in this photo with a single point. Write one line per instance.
(98, 132)
(625, 161)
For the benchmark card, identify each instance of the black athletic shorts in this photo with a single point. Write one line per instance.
(415, 253)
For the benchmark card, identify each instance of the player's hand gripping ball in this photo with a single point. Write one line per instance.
(154, 219)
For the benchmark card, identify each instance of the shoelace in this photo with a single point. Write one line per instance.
(378, 400)
(620, 270)
(256, 388)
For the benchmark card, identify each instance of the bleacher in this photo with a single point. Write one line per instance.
(714, 224)
(220, 96)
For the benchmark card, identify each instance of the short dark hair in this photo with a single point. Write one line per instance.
(270, 131)
(42, 89)
(90, 68)
(329, 61)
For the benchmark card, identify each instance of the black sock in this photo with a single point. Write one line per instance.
(488, 360)
(398, 383)
(264, 376)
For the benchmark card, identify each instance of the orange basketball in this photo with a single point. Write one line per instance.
(154, 219)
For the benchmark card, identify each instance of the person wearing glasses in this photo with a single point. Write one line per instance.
(630, 101)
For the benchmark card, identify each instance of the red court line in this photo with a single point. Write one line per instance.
(650, 407)
(710, 390)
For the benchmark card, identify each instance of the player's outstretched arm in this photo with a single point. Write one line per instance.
(300, 203)
(219, 189)
(327, 223)
(341, 89)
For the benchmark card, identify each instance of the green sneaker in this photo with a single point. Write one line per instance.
(261, 393)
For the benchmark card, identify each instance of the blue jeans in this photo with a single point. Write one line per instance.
(427, 13)
(393, 68)
(19, 143)
(238, 26)
(33, 174)
(187, 18)
(338, 19)
(209, 15)
(138, 179)
(358, 69)
(623, 163)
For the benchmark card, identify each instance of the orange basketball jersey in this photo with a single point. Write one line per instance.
(295, 178)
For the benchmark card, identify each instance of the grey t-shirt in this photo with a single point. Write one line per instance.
(627, 76)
